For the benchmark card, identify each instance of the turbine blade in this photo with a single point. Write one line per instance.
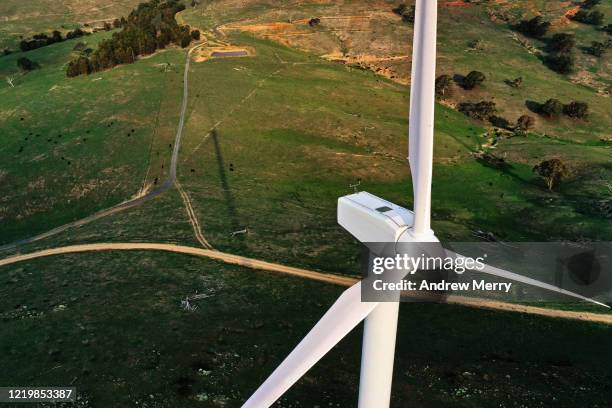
(492, 270)
(346, 313)
(422, 106)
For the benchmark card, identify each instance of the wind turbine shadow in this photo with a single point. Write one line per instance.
(227, 192)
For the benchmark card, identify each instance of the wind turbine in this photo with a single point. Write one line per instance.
(372, 219)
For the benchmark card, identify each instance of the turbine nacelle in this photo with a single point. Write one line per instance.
(372, 219)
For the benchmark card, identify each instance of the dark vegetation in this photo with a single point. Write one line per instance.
(443, 86)
(482, 110)
(313, 22)
(589, 17)
(149, 27)
(42, 40)
(576, 109)
(406, 12)
(537, 27)
(554, 108)
(525, 123)
(473, 79)
(552, 171)
(598, 49)
(26, 64)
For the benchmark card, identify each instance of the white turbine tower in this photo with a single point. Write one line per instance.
(372, 219)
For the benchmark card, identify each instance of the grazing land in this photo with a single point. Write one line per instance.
(289, 105)
(91, 320)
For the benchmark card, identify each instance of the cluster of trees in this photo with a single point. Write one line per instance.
(537, 27)
(594, 17)
(554, 108)
(482, 110)
(406, 12)
(42, 40)
(598, 49)
(470, 81)
(149, 27)
(561, 57)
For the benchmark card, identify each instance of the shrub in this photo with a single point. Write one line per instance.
(499, 122)
(597, 49)
(313, 22)
(525, 122)
(562, 63)
(473, 79)
(586, 17)
(587, 4)
(195, 34)
(552, 171)
(481, 110)
(562, 42)
(576, 109)
(25, 64)
(552, 107)
(407, 13)
(443, 86)
(80, 66)
(537, 27)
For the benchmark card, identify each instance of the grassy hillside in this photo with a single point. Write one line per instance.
(24, 19)
(111, 324)
(72, 146)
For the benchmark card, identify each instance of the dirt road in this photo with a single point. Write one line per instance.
(298, 272)
(169, 182)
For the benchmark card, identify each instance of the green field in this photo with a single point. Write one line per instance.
(111, 325)
(22, 20)
(73, 146)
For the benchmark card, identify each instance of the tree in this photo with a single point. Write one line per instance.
(117, 23)
(587, 4)
(481, 110)
(407, 13)
(25, 64)
(576, 109)
(473, 79)
(107, 26)
(537, 27)
(185, 41)
(562, 63)
(552, 171)
(195, 34)
(443, 86)
(596, 49)
(515, 83)
(562, 42)
(525, 122)
(314, 22)
(552, 107)
(80, 66)
(593, 17)
(596, 18)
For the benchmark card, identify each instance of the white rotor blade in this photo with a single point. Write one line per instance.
(492, 270)
(340, 319)
(422, 103)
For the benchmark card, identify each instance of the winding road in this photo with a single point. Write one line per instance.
(169, 182)
(210, 253)
(300, 273)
